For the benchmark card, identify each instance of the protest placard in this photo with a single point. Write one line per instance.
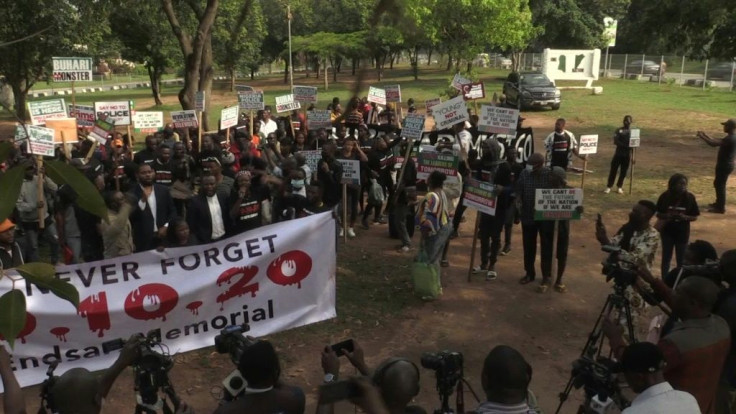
(558, 203)
(199, 102)
(85, 115)
(318, 119)
(185, 119)
(634, 138)
(474, 91)
(118, 111)
(429, 161)
(286, 103)
(481, 196)
(70, 69)
(148, 121)
(229, 117)
(588, 144)
(50, 109)
(430, 103)
(450, 113)
(350, 171)
(412, 126)
(68, 126)
(498, 120)
(251, 101)
(393, 93)
(305, 94)
(377, 95)
(458, 81)
(103, 127)
(41, 140)
(312, 157)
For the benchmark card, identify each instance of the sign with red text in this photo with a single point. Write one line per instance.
(41, 140)
(430, 103)
(85, 115)
(49, 109)
(458, 81)
(450, 113)
(286, 103)
(350, 171)
(588, 144)
(377, 95)
(412, 126)
(393, 93)
(251, 100)
(199, 101)
(229, 117)
(119, 111)
(429, 161)
(185, 119)
(498, 120)
(318, 118)
(274, 278)
(474, 91)
(148, 121)
(305, 94)
(558, 203)
(103, 127)
(481, 196)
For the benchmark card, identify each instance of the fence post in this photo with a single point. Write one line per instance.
(682, 71)
(661, 71)
(705, 73)
(643, 56)
(733, 69)
(626, 62)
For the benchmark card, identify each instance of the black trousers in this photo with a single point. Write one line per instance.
(546, 232)
(489, 232)
(459, 210)
(722, 173)
(619, 161)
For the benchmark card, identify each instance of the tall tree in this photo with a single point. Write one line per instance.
(566, 25)
(238, 35)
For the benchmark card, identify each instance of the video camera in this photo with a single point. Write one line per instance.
(152, 373)
(448, 369)
(232, 341)
(597, 377)
(621, 271)
(710, 270)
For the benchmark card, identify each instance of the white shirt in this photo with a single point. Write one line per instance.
(151, 203)
(465, 139)
(269, 127)
(218, 227)
(663, 399)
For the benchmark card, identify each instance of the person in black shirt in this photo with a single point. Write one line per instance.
(245, 206)
(724, 163)
(622, 156)
(148, 154)
(560, 146)
(512, 211)
(676, 208)
(163, 167)
(329, 175)
(10, 253)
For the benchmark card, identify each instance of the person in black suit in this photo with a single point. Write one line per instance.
(152, 212)
(208, 212)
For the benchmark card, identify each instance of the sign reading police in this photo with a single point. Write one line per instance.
(588, 144)
(119, 111)
(252, 101)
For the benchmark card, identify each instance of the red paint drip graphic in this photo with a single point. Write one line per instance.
(290, 268)
(60, 332)
(28, 328)
(194, 307)
(240, 287)
(95, 309)
(151, 301)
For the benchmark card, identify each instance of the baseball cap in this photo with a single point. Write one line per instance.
(6, 225)
(559, 172)
(642, 357)
(117, 142)
(730, 123)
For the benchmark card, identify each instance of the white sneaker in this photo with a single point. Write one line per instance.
(478, 269)
(620, 190)
(351, 232)
(342, 232)
(606, 191)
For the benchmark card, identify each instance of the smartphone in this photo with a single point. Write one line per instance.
(343, 346)
(337, 391)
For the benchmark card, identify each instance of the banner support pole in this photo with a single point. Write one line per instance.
(585, 168)
(41, 198)
(199, 133)
(345, 212)
(474, 244)
(631, 177)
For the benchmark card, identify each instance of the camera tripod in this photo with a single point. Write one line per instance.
(593, 372)
(161, 403)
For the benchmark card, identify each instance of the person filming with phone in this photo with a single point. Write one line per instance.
(724, 162)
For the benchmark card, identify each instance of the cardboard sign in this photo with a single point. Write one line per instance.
(85, 115)
(312, 158)
(50, 109)
(413, 126)
(588, 144)
(251, 101)
(229, 117)
(70, 69)
(118, 111)
(635, 138)
(41, 140)
(429, 161)
(474, 91)
(199, 101)
(498, 120)
(430, 103)
(481, 196)
(458, 81)
(101, 130)
(185, 119)
(67, 125)
(350, 171)
(557, 203)
(450, 113)
(286, 103)
(393, 93)
(318, 119)
(148, 121)
(305, 94)
(377, 95)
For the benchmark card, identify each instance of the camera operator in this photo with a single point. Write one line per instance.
(264, 393)
(696, 348)
(642, 364)
(505, 378)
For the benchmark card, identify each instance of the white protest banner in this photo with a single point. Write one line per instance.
(376, 95)
(474, 91)
(199, 101)
(481, 196)
(305, 94)
(558, 203)
(634, 138)
(148, 121)
(50, 109)
(274, 278)
(498, 120)
(85, 115)
(458, 81)
(318, 118)
(185, 119)
(350, 171)
(119, 111)
(67, 126)
(312, 158)
(103, 127)
(393, 93)
(41, 141)
(429, 161)
(588, 144)
(430, 103)
(412, 126)
(450, 113)
(66, 69)
(229, 117)
(251, 101)
(286, 103)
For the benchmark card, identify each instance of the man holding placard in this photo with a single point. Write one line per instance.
(560, 146)
(724, 164)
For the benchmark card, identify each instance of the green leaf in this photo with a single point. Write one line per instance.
(43, 275)
(13, 304)
(10, 183)
(88, 197)
(5, 148)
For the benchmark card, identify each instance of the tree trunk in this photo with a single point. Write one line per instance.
(449, 62)
(391, 62)
(317, 69)
(232, 79)
(325, 71)
(334, 70)
(414, 59)
(354, 66)
(155, 90)
(470, 66)
(429, 56)
(252, 74)
(20, 95)
(206, 76)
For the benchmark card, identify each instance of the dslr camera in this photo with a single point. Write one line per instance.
(448, 368)
(621, 271)
(231, 341)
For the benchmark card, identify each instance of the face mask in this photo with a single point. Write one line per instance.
(297, 183)
(529, 167)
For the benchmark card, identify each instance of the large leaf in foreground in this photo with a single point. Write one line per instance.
(10, 183)
(43, 275)
(88, 197)
(5, 148)
(13, 305)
